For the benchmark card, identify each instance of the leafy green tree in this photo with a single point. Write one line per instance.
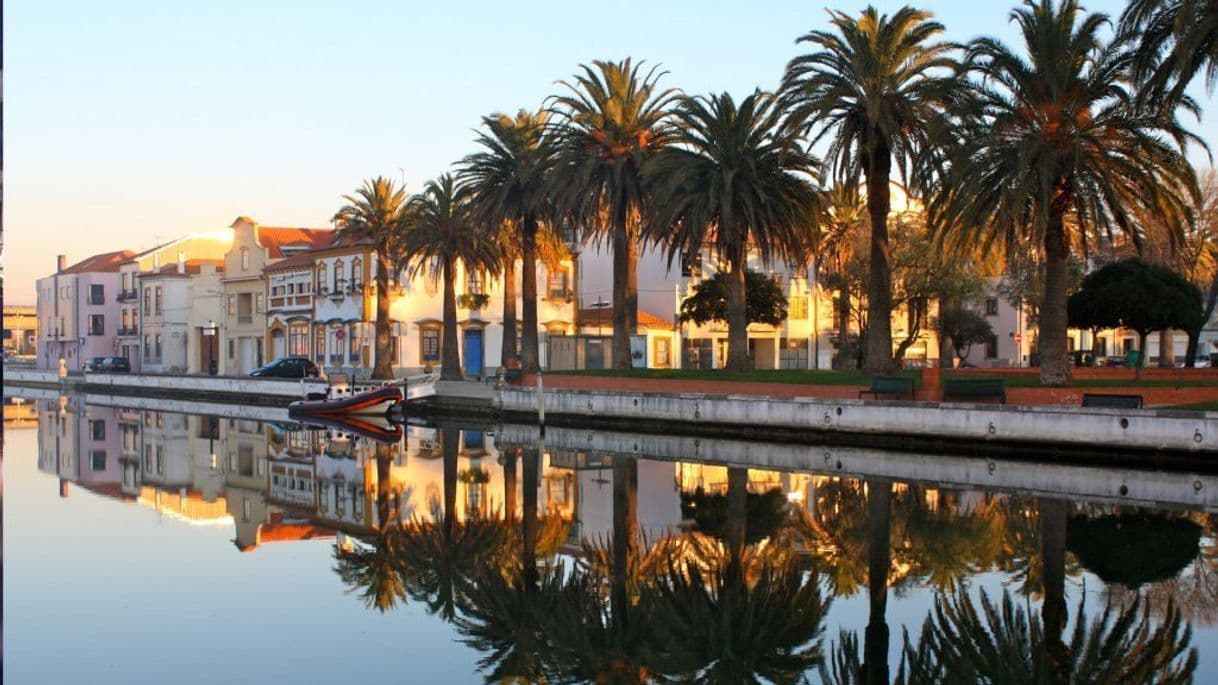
(966, 328)
(441, 236)
(875, 89)
(509, 181)
(1053, 132)
(764, 300)
(377, 212)
(609, 126)
(735, 181)
(1140, 296)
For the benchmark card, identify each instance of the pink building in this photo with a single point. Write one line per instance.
(78, 311)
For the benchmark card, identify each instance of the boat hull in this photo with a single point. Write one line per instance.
(375, 402)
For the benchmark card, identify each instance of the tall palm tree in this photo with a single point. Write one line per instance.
(611, 123)
(441, 236)
(875, 90)
(508, 181)
(377, 212)
(735, 180)
(1055, 150)
(1176, 39)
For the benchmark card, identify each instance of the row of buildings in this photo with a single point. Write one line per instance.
(230, 302)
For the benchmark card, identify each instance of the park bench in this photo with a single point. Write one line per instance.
(974, 389)
(894, 386)
(1112, 401)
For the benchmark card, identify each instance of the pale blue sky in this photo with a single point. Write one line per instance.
(129, 121)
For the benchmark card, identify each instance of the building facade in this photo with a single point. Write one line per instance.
(78, 313)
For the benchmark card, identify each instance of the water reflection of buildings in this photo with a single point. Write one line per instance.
(283, 481)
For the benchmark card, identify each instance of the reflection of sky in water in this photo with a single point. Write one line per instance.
(101, 591)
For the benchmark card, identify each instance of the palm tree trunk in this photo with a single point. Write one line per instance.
(1054, 364)
(878, 347)
(450, 355)
(509, 311)
(879, 553)
(625, 291)
(528, 290)
(947, 351)
(384, 462)
(843, 329)
(509, 484)
(1053, 558)
(1167, 356)
(383, 368)
(737, 518)
(737, 320)
(625, 517)
(529, 532)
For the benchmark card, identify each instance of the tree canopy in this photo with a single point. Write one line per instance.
(764, 300)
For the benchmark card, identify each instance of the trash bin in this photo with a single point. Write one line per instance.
(1132, 357)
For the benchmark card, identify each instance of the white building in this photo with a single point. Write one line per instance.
(186, 296)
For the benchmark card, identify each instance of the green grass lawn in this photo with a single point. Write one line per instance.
(854, 377)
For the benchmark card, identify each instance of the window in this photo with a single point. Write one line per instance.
(97, 430)
(340, 276)
(97, 324)
(157, 349)
(298, 339)
(232, 349)
(793, 354)
(245, 258)
(147, 458)
(660, 353)
(147, 301)
(319, 344)
(98, 459)
(558, 284)
(991, 306)
(160, 460)
(474, 284)
(147, 347)
(157, 300)
(97, 294)
(797, 307)
(357, 274)
(320, 285)
(232, 305)
(991, 347)
(429, 345)
(259, 303)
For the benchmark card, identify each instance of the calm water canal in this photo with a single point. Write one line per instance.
(148, 547)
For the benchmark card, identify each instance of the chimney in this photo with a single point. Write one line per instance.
(61, 263)
(181, 261)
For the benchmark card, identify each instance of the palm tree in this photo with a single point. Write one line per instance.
(377, 213)
(735, 180)
(1176, 39)
(835, 240)
(509, 182)
(1056, 151)
(875, 90)
(613, 121)
(440, 236)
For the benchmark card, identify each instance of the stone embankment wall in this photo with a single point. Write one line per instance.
(217, 389)
(915, 423)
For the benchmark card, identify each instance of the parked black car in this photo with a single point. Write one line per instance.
(108, 365)
(288, 367)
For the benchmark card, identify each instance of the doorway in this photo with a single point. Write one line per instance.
(473, 352)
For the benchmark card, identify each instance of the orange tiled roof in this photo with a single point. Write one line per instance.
(603, 316)
(277, 530)
(106, 261)
(302, 260)
(274, 238)
(193, 266)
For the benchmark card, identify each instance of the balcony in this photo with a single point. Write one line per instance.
(340, 287)
(127, 330)
(127, 295)
(245, 318)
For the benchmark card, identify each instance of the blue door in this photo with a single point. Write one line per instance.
(473, 352)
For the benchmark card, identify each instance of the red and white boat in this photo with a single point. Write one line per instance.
(375, 402)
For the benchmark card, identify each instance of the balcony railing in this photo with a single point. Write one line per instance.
(127, 295)
(340, 286)
(127, 330)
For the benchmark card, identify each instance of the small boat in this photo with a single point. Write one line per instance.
(376, 402)
(370, 427)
